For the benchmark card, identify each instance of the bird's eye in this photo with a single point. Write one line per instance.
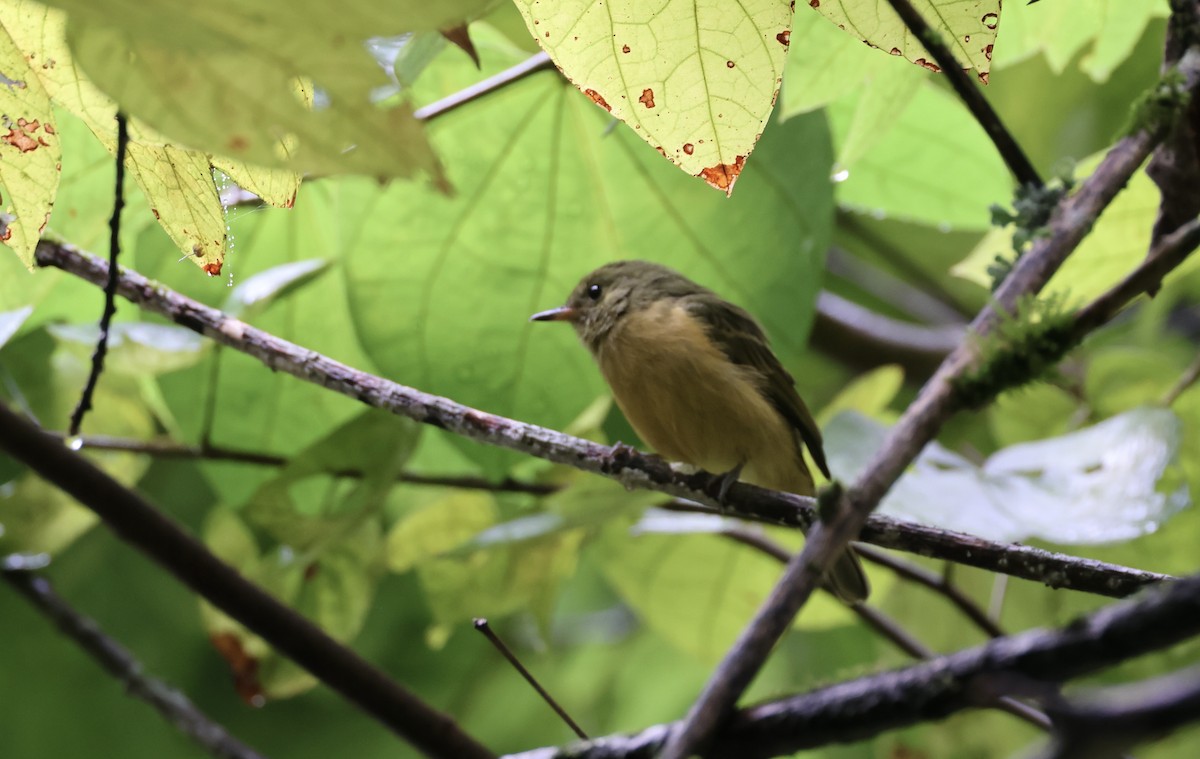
(594, 291)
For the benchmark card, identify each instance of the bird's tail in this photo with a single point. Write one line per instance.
(847, 580)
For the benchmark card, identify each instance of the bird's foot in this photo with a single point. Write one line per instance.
(720, 485)
(622, 454)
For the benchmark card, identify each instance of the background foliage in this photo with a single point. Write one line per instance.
(432, 287)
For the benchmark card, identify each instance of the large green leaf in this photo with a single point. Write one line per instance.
(1061, 30)
(695, 80)
(442, 288)
(967, 26)
(177, 183)
(30, 153)
(174, 64)
(933, 165)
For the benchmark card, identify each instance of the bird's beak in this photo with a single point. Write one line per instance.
(560, 314)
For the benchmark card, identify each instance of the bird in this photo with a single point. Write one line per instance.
(697, 380)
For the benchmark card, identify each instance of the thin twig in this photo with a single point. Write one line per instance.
(166, 449)
(482, 626)
(110, 287)
(288, 632)
(1185, 381)
(532, 65)
(624, 465)
(935, 582)
(860, 709)
(938, 401)
(1018, 163)
(176, 707)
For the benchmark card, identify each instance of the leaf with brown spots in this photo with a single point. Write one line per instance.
(703, 74)
(30, 152)
(969, 27)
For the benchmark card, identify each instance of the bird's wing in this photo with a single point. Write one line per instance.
(743, 342)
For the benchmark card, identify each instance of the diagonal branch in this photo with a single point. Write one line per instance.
(932, 690)
(174, 706)
(938, 401)
(624, 465)
(164, 541)
(1018, 163)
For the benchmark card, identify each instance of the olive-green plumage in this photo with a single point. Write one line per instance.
(696, 377)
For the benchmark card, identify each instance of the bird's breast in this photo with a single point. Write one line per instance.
(687, 400)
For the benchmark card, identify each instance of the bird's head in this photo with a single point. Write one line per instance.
(603, 298)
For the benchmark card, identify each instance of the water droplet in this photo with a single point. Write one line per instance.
(841, 175)
(74, 442)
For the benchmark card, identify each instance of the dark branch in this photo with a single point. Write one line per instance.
(1018, 163)
(932, 690)
(110, 286)
(482, 626)
(1103, 724)
(146, 528)
(121, 664)
(938, 401)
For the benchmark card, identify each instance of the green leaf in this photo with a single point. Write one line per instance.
(258, 292)
(417, 52)
(1110, 482)
(499, 581)
(826, 64)
(30, 153)
(696, 590)
(334, 590)
(439, 527)
(174, 64)
(544, 196)
(178, 183)
(968, 28)
(372, 448)
(182, 195)
(1059, 31)
(1032, 413)
(934, 165)
(276, 187)
(869, 394)
(697, 81)
(47, 378)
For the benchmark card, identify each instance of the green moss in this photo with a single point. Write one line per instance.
(1021, 349)
(1032, 207)
(1160, 106)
